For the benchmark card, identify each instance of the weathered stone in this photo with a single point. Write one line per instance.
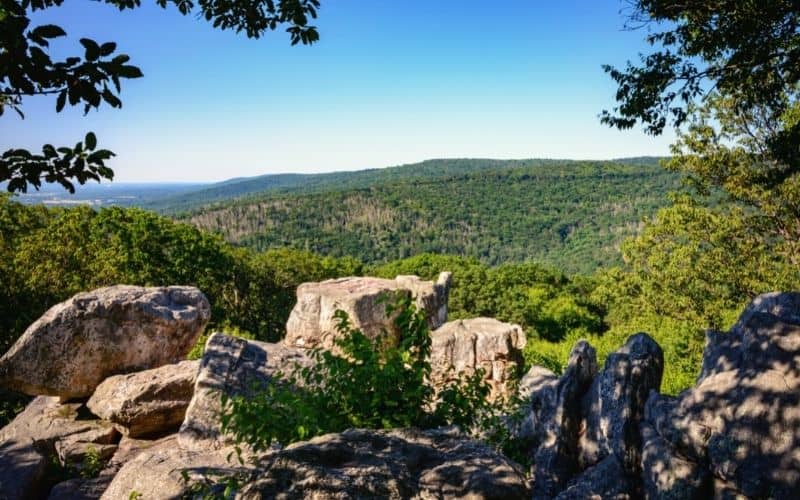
(79, 343)
(463, 346)
(45, 422)
(605, 481)
(312, 322)
(559, 406)
(614, 406)
(101, 441)
(538, 389)
(665, 474)
(22, 470)
(402, 463)
(81, 488)
(743, 417)
(230, 366)
(147, 402)
(158, 471)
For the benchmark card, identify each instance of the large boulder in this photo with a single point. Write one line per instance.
(742, 419)
(312, 322)
(605, 481)
(230, 366)
(463, 346)
(148, 402)
(613, 407)
(557, 413)
(79, 343)
(402, 463)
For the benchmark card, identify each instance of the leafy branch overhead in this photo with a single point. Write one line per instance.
(751, 49)
(94, 77)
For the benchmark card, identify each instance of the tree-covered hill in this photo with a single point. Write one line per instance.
(569, 214)
(250, 187)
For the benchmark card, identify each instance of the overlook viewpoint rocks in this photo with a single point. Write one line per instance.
(151, 418)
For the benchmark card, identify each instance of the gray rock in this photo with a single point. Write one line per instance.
(102, 441)
(463, 346)
(667, 475)
(538, 391)
(555, 459)
(79, 343)
(147, 402)
(39, 434)
(45, 422)
(22, 470)
(82, 488)
(402, 463)
(312, 322)
(743, 417)
(158, 472)
(230, 366)
(605, 481)
(614, 406)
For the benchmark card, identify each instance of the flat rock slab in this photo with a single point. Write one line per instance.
(230, 366)
(402, 463)
(312, 322)
(148, 402)
(120, 329)
(463, 346)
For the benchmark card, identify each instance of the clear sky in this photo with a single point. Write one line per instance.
(390, 82)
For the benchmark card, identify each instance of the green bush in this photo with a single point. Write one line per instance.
(375, 384)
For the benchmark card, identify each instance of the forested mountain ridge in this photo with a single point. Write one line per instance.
(256, 187)
(569, 214)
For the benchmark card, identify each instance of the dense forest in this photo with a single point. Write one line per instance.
(565, 214)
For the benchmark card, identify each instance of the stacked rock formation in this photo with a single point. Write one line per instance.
(151, 420)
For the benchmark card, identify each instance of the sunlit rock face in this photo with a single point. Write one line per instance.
(312, 322)
(459, 348)
(120, 329)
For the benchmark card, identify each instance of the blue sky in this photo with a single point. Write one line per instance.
(390, 82)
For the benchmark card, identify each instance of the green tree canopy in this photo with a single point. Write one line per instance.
(93, 78)
(750, 49)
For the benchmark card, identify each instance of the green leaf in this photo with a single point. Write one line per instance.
(49, 31)
(129, 72)
(91, 141)
(92, 49)
(108, 48)
(61, 101)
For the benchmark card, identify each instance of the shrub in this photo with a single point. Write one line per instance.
(371, 383)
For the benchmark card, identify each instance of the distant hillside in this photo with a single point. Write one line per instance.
(572, 215)
(249, 187)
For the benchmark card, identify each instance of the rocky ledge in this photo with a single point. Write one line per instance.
(149, 421)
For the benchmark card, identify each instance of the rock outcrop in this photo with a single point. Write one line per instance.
(556, 409)
(120, 329)
(738, 430)
(147, 402)
(47, 431)
(613, 407)
(588, 433)
(312, 322)
(230, 366)
(464, 346)
(402, 463)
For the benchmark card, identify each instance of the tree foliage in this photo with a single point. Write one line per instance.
(370, 384)
(94, 77)
(750, 49)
